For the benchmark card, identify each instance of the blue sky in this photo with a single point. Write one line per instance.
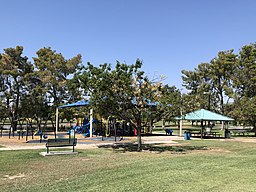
(168, 35)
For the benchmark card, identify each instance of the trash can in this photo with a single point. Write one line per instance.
(186, 135)
(72, 134)
(227, 134)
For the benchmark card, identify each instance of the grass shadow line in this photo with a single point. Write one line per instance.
(132, 147)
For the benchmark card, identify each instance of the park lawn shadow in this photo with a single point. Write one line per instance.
(132, 147)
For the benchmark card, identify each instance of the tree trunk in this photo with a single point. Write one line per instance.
(254, 129)
(38, 121)
(139, 137)
(222, 125)
(16, 109)
(15, 121)
(222, 103)
(139, 134)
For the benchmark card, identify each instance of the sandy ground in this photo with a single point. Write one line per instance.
(246, 139)
(14, 143)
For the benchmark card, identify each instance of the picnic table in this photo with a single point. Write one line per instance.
(205, 133)
(240, 131)
(212, 133)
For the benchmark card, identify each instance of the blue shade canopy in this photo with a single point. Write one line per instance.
(76, 104)
(205, 115)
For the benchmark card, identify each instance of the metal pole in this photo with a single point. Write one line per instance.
(209, 100)
(57, 120)
(115, 129)
(181, 114)
(27, 131)
(91, 118)
(202, 127)
(180, 127)
(163, 123)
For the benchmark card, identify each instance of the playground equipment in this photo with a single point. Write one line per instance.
(85, 128)
(26, 127)
(110, 128)
(117, 128)
(41, 134)
(76, 104)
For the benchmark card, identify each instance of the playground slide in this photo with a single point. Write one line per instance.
(84, 129)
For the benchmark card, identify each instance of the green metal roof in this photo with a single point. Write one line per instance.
(206, 115)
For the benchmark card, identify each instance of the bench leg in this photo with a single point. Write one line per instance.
(73, 148)
(47, 149)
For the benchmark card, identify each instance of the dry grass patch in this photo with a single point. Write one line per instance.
(202, 166)
(11, 177)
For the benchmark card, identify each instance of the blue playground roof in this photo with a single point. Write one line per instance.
(76, 104)
(87, 103)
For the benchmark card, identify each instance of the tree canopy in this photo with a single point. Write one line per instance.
(34, 88)
(229, 80)
(124, 92)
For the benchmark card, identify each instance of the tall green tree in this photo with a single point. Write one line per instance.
(172, 103)
(244, 80)
(198, 82)
(14, 70)
(191, 80)
(213, 79)
(54, 71)
(245, 74)
(124, 92)
(35, 104)
(222, 70)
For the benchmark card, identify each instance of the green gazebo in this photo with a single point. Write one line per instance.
(204, 115)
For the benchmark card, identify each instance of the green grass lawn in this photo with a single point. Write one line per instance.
(201, 165)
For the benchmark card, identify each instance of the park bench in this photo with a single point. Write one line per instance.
(61, 142)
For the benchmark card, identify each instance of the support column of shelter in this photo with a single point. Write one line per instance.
(202, 128)
(181, 116)
(163, 123)
(91, 118)
(57, 121)
(180, 127)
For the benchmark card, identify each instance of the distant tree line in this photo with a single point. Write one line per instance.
(34, 88)
(227, 84)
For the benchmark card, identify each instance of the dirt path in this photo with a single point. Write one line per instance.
(83, 143)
